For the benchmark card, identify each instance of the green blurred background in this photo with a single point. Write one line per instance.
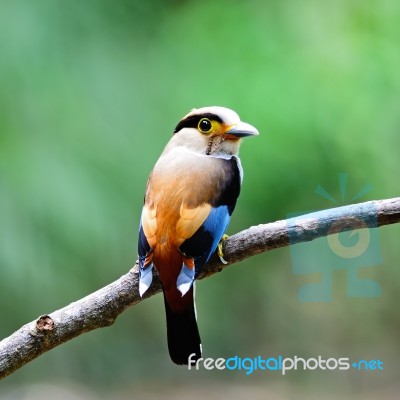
(90, 94)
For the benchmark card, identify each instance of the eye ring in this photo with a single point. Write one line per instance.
(204, 125)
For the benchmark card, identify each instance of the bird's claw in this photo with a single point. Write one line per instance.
(220, 252)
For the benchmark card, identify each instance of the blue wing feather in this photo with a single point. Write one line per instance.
(143, 247)
(204, 242)
(145, 271)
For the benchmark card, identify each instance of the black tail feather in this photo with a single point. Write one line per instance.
(183, 335)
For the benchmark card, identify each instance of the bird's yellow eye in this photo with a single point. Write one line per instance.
(204, 125)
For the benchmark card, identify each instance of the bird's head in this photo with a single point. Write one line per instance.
(212, 131)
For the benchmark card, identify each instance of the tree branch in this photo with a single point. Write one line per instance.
(102, 307)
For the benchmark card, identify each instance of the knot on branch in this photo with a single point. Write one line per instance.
(44, 324)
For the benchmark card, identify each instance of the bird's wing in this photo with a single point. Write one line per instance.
(202, 244)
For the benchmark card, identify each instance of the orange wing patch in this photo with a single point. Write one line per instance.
(190, 221)
(149, 224)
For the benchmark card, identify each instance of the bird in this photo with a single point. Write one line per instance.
(190, 196)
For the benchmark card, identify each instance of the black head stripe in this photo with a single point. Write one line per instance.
(193, 120)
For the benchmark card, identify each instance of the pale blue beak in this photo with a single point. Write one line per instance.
(241, 130)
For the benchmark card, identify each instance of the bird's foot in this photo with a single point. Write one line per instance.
(220, 252)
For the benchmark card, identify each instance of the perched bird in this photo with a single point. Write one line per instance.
(190, 196)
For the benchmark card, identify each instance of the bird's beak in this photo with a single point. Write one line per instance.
(241, 130)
